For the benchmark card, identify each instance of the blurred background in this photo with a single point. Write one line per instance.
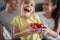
(38, 5)
(2, 5)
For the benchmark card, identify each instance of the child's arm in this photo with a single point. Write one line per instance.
(18, 34)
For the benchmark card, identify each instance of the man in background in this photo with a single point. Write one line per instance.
(7, 15)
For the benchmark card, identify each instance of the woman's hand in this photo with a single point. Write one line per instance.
(45, 29)
(49, 31)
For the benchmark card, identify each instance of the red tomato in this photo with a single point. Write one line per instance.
(39, 25)
(33, 25)
(36, 25)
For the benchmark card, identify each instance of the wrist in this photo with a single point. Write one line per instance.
(48, 31)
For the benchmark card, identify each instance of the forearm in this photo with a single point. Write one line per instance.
(20, 34)
(53, 33)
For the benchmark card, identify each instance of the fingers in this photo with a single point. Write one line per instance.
(43, 26)
(43, 29)
(32, 30)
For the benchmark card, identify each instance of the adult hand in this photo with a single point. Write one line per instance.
(45, 29)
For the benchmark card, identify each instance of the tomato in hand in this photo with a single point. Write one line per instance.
(36, 25)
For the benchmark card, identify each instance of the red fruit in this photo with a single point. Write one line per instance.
(36, 25)
(39, 26)
(33, 25)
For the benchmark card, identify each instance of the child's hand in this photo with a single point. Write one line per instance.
(30, 31)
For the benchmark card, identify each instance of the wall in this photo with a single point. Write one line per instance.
(39, 1)
(2, 5)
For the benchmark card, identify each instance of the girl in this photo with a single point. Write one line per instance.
(51, 18)
(21, 23)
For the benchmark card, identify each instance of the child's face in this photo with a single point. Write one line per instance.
(27, 7)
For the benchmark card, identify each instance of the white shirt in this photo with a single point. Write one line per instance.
(48, 22)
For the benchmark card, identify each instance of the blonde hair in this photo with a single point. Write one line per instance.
(21, 1)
